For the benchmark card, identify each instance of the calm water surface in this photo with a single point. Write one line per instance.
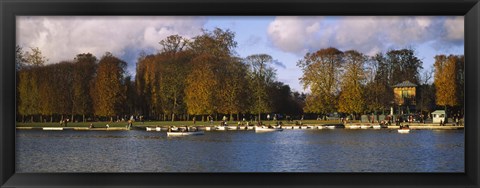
(338, 150)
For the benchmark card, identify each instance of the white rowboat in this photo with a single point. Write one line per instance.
(354, 127)
(266, 129)
(185, 133)
(403, 130)
(331, 127)
(153, 128)
(221, 128)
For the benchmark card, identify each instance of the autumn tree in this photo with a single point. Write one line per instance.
(321, 72)
(29, 95)
(447, 80)
(29, 79)
(212, 51)
(233, 90)
(200, 86)
(351, 99)
(84, 68)
(108, 87)
(144, 83)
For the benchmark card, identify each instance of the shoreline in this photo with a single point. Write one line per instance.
(413, 126)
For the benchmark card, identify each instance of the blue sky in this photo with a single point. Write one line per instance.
(286, 39)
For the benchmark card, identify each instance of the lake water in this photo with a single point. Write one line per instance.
(338, 150)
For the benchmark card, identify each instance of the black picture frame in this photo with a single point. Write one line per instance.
(9, 9)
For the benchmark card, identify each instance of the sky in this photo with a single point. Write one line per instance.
(286, 39)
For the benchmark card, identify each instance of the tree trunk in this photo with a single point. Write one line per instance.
(173, 117)
(231, 116)
(446, 117)
(84, 118)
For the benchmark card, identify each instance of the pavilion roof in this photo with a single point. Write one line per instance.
(406, 84)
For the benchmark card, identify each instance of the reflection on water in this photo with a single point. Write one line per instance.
(338, 150)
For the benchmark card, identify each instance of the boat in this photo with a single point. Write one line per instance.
(221, 128)
(153, 128)
(354, 127)
(310, 127)
(330, 127)
(364, 126)
(376, 126)
(404, 129)
(267, 129)
(319, 127)
(185, 133)
(53, 128)
(232, 127)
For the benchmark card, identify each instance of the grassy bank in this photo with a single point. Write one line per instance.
(158, 123)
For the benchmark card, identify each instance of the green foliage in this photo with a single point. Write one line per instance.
(261, 76)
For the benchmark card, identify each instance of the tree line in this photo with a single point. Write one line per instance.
(203, 77)
(353, 83)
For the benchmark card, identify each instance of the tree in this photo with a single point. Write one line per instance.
(321, 72)
(426, 92)
(35, 57)
(108, 86)
(200, 86)
(20, 60)
(173, 44)
(403, 65)
(351, 98)
(175, 68)
(233, 91)
(212, 51)
(262, 75)
(29, 96)
(447, 76)
(84, 68)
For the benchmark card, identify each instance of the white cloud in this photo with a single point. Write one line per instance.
(292, 33)
(455, 28)
(63, 37)
(368, 34)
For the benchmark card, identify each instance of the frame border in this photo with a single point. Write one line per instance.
(10, 8)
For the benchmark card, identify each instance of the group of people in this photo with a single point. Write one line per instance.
(64, 122)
